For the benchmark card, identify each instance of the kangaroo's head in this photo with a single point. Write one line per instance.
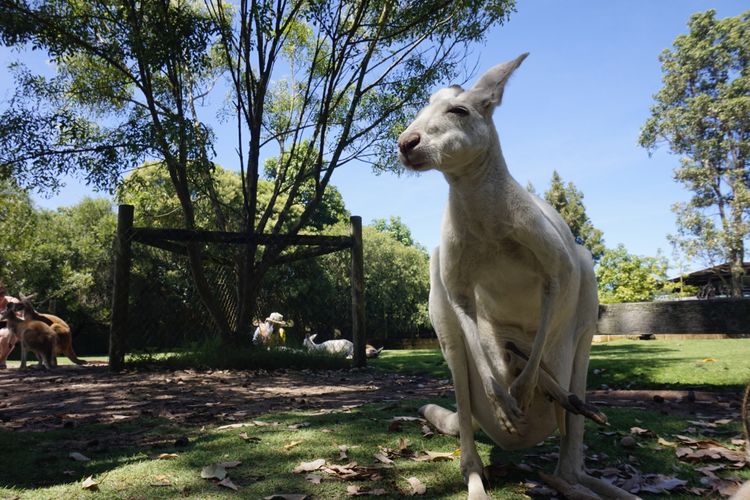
(455, 130)
(8, 312)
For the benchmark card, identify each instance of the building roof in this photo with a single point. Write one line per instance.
(709, 275)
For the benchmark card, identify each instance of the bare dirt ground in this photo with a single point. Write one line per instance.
(35, 399)
(70, 395)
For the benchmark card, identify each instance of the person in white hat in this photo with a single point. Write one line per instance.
(270, 333)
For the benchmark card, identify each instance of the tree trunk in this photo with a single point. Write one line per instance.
(738, 271)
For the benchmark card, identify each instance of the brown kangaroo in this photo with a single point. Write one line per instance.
(63, 335)
(34, 336)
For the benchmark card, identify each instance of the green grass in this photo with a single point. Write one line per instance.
(212, 354)
(40, 467)
(722, 364)
(61, 360)
(412, 361)
(667, 364)
(122, 453)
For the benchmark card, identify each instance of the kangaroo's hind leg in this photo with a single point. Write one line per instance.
(454, 349)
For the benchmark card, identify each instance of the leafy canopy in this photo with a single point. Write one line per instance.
(624, 277)
(568, 201)
(702, 114)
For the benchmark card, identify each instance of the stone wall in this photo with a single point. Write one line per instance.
(715, 316)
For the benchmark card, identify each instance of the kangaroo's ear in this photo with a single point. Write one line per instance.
(312, 337)
(487, 93)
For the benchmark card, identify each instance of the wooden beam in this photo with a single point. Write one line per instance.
(146, 235)
(121, 282)
(358, 293)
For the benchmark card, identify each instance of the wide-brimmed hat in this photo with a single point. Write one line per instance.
(276, 318)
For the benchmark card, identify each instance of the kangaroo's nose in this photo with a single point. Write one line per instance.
(408, 142)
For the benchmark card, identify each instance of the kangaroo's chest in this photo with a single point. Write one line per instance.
(502, 280)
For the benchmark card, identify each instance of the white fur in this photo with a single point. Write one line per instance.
(340, 347)
(507, 270)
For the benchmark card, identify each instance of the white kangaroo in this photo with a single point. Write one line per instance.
(341, 347)
(513, 298)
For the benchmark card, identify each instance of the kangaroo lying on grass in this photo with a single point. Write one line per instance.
(34, 336)
(341, 347)
(63, 335)
(513, 298)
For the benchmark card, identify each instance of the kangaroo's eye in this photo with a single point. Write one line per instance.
(459, 110)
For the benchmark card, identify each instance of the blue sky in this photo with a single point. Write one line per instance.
(576, 105)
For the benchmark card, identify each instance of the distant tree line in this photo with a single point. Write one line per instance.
(64, 256)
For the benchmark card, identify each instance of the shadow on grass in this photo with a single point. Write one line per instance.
(121, 455)
(42, 458)
(428, 362)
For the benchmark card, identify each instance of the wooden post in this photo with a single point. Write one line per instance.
(121, 281)
(358, 293)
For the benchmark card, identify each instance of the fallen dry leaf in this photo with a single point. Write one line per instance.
(347, 471)
(227, 483)
(664, 442)
(230, 426)
(417, 486)
(343, 452)
(166, 456)
(213, 471)
(638, 431)
(161, 480)
(309, 466)
(709, 470)
(659, 483)
(408, 419)
(90, 484)
(382, 458)
(291, 445)
(286, 496)
(78, 457)
(260, 423)
(230, 465)
(314, 478)
(300, 425)
(435, 456)
(354, 490)
(713, 453)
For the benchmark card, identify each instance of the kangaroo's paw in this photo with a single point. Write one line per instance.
(585, 487)
(523, 388)
(505, 408)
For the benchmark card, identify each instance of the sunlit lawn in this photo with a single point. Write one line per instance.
(667, 364)
(61, 360)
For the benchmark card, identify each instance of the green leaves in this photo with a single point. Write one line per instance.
(624, 277)
(568, 201)
(702, 113)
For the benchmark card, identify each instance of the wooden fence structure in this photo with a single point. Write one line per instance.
(170, 240)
